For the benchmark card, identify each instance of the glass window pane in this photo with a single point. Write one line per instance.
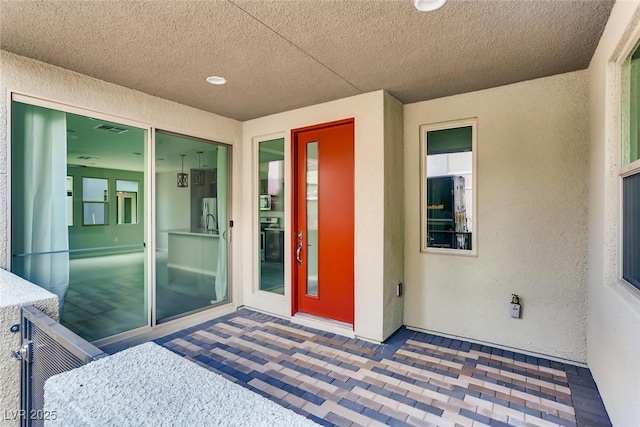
(127, 186)
(95, 213)
(95, 190)
(191, 226)
(98, 273)
(631, 227)
(630, 148)
(312, 218)
(634, 107)
(271, 215)
(448, 188)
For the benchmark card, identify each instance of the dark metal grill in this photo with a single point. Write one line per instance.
(48, 358)
(52, 349)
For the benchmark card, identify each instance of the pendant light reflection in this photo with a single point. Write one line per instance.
(198, 176)
(428, 5)
(183, 178)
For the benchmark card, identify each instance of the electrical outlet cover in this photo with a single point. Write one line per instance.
(515, 311)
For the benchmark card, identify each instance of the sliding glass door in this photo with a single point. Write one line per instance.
(81, 209)
(191, 225)
(77, 214)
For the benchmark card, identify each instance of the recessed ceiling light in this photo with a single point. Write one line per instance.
(215, 80)
(428, 5)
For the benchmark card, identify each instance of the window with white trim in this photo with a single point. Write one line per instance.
(95, 201)
(448, 190)
(630, 168)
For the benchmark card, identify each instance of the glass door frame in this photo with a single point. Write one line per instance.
(153, 218)
(149, 218)
(66, 108)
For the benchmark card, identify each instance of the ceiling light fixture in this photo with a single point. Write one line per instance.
(428, 5)
(216, 80)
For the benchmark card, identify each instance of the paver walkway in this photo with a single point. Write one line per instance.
(413, 379)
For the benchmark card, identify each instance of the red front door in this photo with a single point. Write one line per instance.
(323, 240)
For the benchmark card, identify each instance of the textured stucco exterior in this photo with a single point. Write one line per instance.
(162, 388)
(531, 237)
(16, 292)
(393, 219)
(613, 333)
(368, 110)
(547, 212)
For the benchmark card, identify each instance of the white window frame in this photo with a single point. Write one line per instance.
(469, 122)
(625, 170)
(104, 202)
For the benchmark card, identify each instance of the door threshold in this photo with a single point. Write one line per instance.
(322, 323)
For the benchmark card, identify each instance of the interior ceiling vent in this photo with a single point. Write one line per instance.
(111, 128)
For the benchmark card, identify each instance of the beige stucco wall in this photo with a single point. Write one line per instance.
(531, 237)
(368, 111)
(393, 219)
(14, 294)
(613, 333)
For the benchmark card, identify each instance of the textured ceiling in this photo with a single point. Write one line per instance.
(280, 55)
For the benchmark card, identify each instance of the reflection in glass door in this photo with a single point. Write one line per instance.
(271, 214)
(65, 233)
(191, 225)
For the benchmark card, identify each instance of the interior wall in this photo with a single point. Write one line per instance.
(368, 111)
(112, 234)
(531, 236)
(37, 79)
(613, 334)
(172, 201)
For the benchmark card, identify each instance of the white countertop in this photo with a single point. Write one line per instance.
(199, 233)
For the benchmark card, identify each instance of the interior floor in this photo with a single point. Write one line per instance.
(272, 277)
(107, 294)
